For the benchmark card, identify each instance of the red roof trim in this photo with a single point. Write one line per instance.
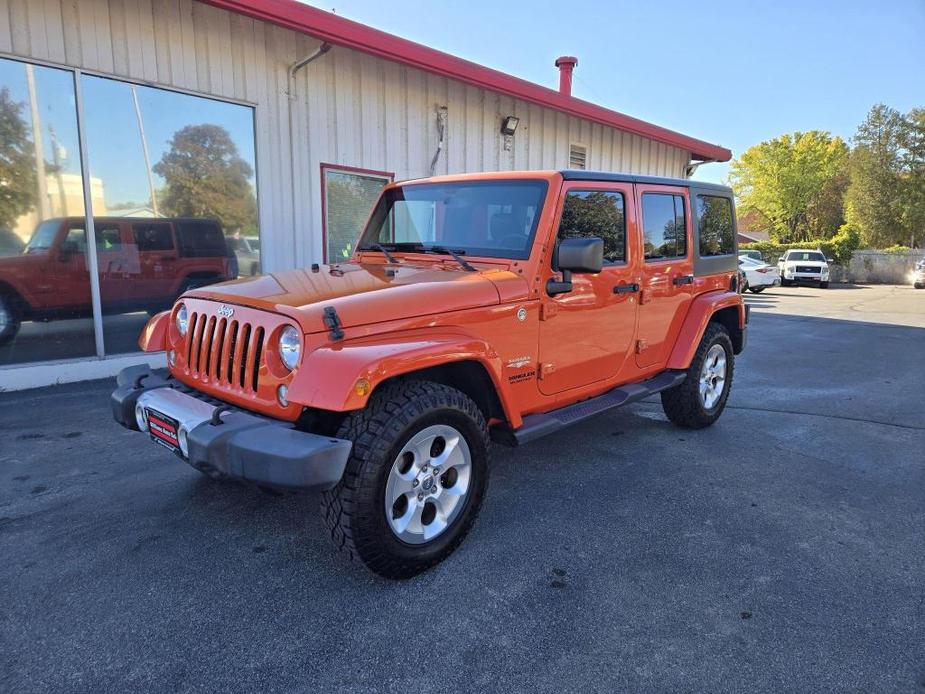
(344, 32)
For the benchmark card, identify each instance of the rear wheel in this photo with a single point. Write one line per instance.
(701, 398)
(10, 319)
(415, 479)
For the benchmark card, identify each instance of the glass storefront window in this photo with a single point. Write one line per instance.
(177, 195)
(45, 305)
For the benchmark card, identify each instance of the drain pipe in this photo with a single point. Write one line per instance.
(290, 92)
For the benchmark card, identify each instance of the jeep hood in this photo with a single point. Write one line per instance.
(368, 293)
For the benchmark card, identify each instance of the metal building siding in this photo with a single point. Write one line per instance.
(349, 108)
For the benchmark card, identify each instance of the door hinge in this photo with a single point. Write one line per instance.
(543, 370)
(641, 346)
(548, 310)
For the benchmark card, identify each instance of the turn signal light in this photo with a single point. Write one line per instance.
(362, 387)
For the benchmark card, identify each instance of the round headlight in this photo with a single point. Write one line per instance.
(290, 346)
(182, 320)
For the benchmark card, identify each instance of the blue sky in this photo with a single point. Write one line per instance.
(734, 73)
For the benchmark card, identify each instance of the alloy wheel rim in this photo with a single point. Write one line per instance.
(713, 377)
(4, 317)
(428, 484)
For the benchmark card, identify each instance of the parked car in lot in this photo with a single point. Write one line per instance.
(247, 251)
(918, 275)
(499, 306)
(803, 266)
(144, 264)
(758, 274)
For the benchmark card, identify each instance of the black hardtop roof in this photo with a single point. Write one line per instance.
(609, 176)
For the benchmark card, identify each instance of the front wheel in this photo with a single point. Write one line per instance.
(823, 285)
(415, 479)
(756, 290)
(701, 398)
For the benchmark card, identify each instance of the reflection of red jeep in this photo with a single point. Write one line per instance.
(503, 305)
(143, 264)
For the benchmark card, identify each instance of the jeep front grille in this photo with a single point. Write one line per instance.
(223, 351)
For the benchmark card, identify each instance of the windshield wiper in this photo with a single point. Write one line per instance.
(382, 249)
(457, 256)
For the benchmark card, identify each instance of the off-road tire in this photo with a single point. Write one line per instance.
(823, 285)
(13, 322)
(682, 404)
(353, 511)
(756, 290)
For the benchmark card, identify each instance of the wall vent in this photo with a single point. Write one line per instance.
(577, 157)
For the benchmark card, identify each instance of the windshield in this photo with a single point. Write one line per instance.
(494, 219)
(806, 255)
(43, 236)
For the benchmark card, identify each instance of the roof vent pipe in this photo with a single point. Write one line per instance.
(566, 64)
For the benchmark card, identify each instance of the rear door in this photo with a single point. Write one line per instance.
(667, 270)
(585, 334)
(157, 258)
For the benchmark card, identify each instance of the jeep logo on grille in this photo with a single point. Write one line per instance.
(225, 311)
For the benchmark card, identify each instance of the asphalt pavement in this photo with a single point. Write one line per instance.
(783, 549)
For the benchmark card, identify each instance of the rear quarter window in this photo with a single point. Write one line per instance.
(201, 239)
(156, 236)
(714, 219)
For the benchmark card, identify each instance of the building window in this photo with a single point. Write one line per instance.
(714, 222)
(664, 226)
(577, 157)
(596, 213)
(185, 160)
(348, 198)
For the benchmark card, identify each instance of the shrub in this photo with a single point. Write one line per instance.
(839, 248)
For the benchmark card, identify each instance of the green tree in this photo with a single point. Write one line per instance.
(205, 176)
(795, 182)
(912, 194)
(874, 198)
(17, 162)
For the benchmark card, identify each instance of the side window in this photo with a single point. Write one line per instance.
(108, 237)
(153, 237)
(714, 221)
(77, 239)
(596, 213)
(201, 238)
(664, 226)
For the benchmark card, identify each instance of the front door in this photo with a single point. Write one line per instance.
(667, 271)
(585, 334)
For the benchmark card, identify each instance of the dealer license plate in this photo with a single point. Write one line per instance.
(163, 429)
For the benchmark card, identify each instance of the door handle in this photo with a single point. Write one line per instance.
(626, 289)
(683, 279)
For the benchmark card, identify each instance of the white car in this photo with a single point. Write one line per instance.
(758, 274)
(918, 275)
(803, 266)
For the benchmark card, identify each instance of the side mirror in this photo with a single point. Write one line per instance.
(575, 255)
(781, 259)
(67, 250)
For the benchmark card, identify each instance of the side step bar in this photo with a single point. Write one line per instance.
(538, 425)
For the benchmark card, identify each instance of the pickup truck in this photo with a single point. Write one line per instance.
(479, 307)
(144, 264)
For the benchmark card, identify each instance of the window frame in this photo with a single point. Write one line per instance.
(626, 194)
(672, 192)
(387, 176)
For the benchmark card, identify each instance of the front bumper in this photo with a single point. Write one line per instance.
(229, 441)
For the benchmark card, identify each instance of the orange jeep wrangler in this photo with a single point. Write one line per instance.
(500, 306)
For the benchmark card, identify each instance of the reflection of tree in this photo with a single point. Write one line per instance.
(205, 177)
(715, 225)
(17, 163)
(595, 214)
